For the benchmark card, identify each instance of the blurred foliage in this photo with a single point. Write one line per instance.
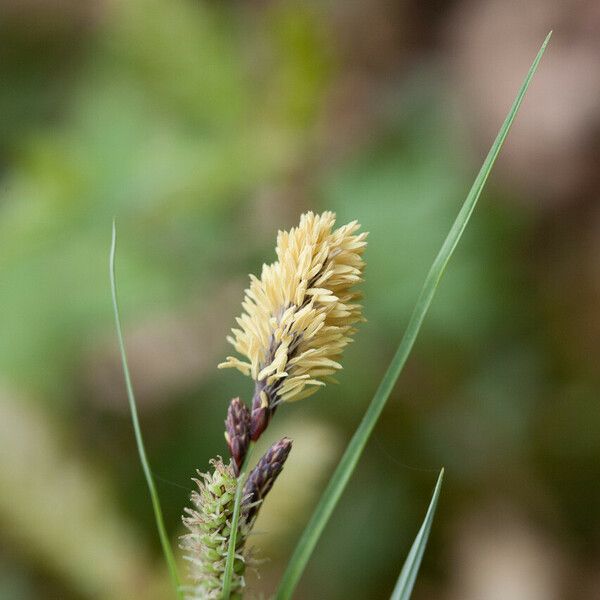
(204, 127)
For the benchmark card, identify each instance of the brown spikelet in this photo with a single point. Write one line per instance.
(237, 432)
(262, 411)
(263, 476)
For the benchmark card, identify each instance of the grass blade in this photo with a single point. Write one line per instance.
(408, 575)
(346, 466)
(164, 540)
(235, 519)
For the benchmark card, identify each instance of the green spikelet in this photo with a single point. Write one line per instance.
(205, 547)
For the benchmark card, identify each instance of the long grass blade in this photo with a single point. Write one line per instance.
(346, 466)
(408, 575)
(162, 533)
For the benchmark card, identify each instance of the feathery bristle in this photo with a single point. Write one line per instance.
(300, 315)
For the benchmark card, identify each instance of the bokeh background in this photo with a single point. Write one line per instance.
(204, 127)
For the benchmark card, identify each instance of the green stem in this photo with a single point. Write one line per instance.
(164, 540)
(235, 519)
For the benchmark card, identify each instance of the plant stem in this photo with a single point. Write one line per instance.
(164, 540)
(235, 519)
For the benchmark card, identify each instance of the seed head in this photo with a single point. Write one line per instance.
(209, 528)
(300, 315)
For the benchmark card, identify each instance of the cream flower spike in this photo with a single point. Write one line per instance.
(300, 315)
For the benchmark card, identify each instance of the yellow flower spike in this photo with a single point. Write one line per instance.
(299, 316)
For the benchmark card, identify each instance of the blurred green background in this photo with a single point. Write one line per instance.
(204, 127)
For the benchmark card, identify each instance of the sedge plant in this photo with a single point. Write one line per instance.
(297, 319)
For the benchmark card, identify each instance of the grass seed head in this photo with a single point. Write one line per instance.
(300, 315)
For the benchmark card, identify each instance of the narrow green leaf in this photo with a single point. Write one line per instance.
(408, 575)
(346, 466)
(235, 519)
(162, 533)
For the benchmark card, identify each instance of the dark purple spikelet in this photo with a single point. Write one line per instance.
(263, 476)
(261, 413)
(237, 432)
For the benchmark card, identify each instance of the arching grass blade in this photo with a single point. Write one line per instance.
(162, 533)
(346, 466)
